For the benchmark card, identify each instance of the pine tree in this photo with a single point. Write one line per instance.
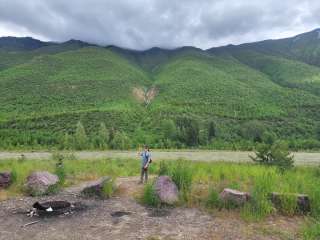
(81, 139)
(103, 136)
(169, 129)
(67, 141)
(211, 131)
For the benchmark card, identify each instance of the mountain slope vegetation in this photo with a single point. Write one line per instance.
(227, 97)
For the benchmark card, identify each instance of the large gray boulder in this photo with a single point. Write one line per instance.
(234, 197)
(41, 183)
(5, 179)
(166, 190)
(96, 188)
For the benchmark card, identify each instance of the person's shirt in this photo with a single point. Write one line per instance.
(145, 156)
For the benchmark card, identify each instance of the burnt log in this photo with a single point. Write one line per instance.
(96, 188)
(302, 201)
(234, 197)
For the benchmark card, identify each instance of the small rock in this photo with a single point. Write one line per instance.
(5, 179)
(39, 183)
(95, 188)
(303, 201)
(166, 190)
(234, 196)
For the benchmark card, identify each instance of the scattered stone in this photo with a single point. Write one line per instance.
(120, 213)
(95, 188)
(41, 183)
(166, 190)
(303, 201)
(234, 196)
(5, 179)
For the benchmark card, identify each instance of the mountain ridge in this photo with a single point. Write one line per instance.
(244, 91)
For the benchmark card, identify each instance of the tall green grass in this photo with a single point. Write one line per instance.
(202, 181)
(260, 205)
(311, 231)
(149, 196)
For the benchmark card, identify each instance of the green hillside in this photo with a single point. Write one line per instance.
(73, 80)
(285, 72)
(228, 97)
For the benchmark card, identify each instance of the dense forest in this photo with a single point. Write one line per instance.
(74, 95)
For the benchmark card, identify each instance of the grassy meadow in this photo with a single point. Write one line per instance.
(199, 183)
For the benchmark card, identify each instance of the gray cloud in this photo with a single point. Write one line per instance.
(143, 24)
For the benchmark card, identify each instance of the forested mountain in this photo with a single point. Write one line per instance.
(52, 94)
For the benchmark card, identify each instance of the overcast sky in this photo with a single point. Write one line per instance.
(142, 24)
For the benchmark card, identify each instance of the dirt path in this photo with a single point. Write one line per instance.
(301, 158)
(101, 221)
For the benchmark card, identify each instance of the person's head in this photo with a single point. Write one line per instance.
(146, 148)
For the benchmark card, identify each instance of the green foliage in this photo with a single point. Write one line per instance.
(108, 189)
(288, 204)
(269, 138)
(103, 137)
(120, 141)
(169, 130)
(164, 169)
(274, 155)
(81, 139)
(149, 196)
(239, 94)
(181, 174)
(67, 142)
(188, 131)
(211, 131)
(259, 205)
(259, 180)
(14, 176)
(311, 231)
(60, 172)
(252, 130)
(318, 132)
(213, 200)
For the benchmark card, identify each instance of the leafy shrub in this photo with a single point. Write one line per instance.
(108, 189)
(276, 155)
(150, 197)
(269, 138)
(213, 200)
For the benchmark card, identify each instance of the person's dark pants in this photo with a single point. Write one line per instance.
(144, 173)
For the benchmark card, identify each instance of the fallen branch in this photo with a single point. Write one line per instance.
(30, 223)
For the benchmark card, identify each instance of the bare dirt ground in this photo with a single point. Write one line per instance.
(99, 220)
(301, 158)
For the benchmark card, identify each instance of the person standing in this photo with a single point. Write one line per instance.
(145, 161)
